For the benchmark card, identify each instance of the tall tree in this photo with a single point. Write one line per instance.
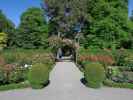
(7, 26)
(32, 31)
(66, 17)
(109, 22)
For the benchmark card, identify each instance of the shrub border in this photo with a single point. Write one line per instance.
(14, 86)
(118, 85)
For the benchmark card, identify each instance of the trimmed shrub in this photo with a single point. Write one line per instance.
(118, 85)
(22, 57)
(14, 86)
(94, 74)
(38, 75)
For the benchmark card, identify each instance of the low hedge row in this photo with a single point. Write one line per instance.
(118, 85)
(14, 86)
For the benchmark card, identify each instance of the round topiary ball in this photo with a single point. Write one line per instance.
(38, 75)
(94, 74)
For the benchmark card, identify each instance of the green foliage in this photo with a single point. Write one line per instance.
(5, 24)
(8, 27)
(3, 40)
(118, 85)
(22, 56)
(11, 74)
(108, 25)
(38, 75)
(115, 71)
(13, 70)
(14, 86)
(2, 77)
(124, 58)
(32, 31)
(119, 57)
(94, 51)
(17, 76)
(64, 16)
(116, 75)
(94, 74)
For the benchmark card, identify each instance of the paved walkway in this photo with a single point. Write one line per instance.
(65, 85)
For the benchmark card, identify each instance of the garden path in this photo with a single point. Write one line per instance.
(65, 85)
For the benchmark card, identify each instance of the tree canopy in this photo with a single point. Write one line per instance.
(8, 27)
(32, 31)
(102, 23)
(96, 23)
(66, 17)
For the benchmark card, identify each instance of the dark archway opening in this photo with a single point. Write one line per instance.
(66, 53)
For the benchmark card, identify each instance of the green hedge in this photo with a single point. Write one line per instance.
(22, 56)
(38, 75)
(14, 86)
(118, 85)
(94, 74)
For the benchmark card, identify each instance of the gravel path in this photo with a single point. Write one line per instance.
(65, 85)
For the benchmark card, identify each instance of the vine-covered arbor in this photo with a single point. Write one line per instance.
(64, 49)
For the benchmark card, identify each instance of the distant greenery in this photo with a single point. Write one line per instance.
(32, 31)
(100, 23)
(97, 23)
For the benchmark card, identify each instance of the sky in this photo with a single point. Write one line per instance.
(14, 8)
(130, 6)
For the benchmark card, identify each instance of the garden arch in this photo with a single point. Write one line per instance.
(63, 48)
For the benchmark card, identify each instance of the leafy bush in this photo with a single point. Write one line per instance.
(3, 40)
(124, 58)
(119, 56)
(2, 61)
(17, 56)
(94, 74)
(2, 77)
(118, 85)
(14, 86)
(22, 56)
(16, 76)
(10, 73)
(38, 75)
(113, 72)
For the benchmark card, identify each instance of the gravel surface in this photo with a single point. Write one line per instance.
(65, 85)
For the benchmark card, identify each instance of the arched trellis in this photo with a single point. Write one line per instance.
(59, 44)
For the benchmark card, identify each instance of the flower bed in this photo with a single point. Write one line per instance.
(15, 66)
